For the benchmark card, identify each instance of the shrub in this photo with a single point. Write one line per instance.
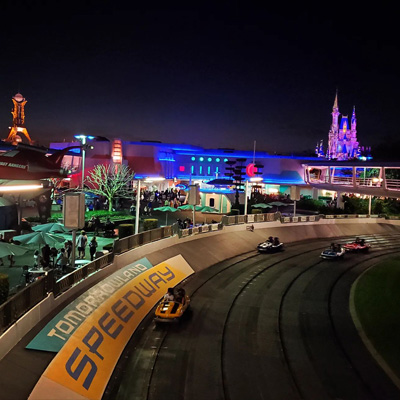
(4, 288)
(234, 211)
(125, 230)
(149, 224)
(256, 211)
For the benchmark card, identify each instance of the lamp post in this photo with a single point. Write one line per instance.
(137, 208)
(83, 139)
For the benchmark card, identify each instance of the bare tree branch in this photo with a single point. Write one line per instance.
(110, 181)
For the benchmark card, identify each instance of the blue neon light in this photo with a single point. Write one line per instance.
(217, 159)
(193, 158)
(201, 158)
(209, 159)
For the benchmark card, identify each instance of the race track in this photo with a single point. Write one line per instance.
(261, 326)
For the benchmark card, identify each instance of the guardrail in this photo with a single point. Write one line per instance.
(28, 297)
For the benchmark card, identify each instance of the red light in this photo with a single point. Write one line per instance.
(181, 168)
(251, 170)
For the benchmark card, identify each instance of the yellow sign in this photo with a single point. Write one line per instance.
(83, 367)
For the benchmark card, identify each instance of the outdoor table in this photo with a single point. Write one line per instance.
(37, 271)
(81, 263)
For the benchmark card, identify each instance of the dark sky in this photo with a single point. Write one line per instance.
(215, 77)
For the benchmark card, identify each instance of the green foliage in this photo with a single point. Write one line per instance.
(149, 224)
(256, 211)
(234, 211)
(310, 204)
(125, 230)
(4, 288)
(98, 213)
(355, 205)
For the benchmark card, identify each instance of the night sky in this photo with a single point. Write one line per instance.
(214, 77)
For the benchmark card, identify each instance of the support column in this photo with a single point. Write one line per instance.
(369, 205)
(339, 201)
(245, 197)
(315, 193)
(383, 173)
(137, 208)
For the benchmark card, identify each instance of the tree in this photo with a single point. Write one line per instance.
(110, 181)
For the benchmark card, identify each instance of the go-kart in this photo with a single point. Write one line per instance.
(357, 247)
(268, 247)
(171, 311)
(333, 253)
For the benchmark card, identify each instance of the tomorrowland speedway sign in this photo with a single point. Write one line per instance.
(55, 334)
(92, 333)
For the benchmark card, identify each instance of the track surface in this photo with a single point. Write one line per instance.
(262, 326)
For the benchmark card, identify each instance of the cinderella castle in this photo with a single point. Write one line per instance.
(342, 139)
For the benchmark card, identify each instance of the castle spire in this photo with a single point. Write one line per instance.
(335, 104)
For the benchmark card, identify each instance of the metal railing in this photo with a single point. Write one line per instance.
(28, 297)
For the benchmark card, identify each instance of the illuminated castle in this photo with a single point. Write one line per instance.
(18, 127)
(342, 139)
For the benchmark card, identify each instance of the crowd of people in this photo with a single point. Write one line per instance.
(59, 259)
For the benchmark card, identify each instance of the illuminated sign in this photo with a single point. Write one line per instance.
(84, 365)
(251, 170)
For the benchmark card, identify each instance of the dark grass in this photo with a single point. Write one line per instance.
(377, 302)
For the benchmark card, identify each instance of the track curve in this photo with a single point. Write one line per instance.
(263, 326)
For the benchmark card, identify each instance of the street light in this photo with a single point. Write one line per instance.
(83, 139)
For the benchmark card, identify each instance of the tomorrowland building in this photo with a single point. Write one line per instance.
(164, 166)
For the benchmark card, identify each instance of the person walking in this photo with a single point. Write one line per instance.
(92, 248)
(62, 260)
(68, 249)
(81, 243)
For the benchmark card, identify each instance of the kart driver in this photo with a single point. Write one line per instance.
(169, 296)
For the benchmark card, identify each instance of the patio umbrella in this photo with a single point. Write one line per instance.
(39, 239)
(262, 205)
(166, 209)
(51, 227)
(189, 207)
(279, 204)
(9, 249)
(209, 209)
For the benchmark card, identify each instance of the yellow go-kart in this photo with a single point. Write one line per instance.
(172, 311)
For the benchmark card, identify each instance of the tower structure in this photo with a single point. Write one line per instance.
(18, 127)
(342, 138)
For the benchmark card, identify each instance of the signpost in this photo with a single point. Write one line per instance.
(74, 217)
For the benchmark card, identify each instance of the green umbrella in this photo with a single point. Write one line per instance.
(261, 205)
(39, 239)
(279, 204)
(209, 209)
(51, 227)
(9, 249)
(166, 209)
(189, 207)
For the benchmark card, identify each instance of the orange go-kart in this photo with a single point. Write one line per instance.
(172, 311)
